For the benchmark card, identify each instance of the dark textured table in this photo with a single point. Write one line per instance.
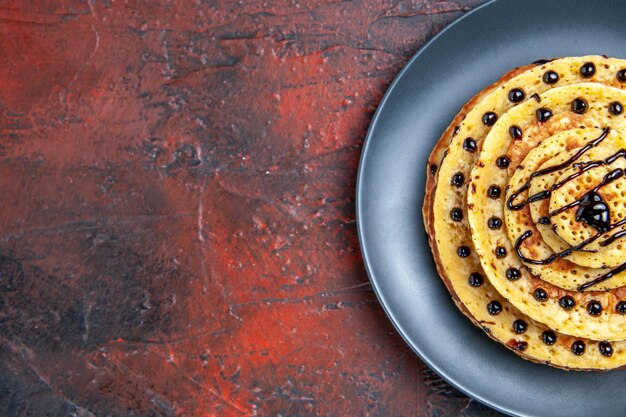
(178, 232)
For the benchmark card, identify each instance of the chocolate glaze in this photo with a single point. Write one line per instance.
(509, 203)
(616, 236)
(546, 261)
(589, 200)
(578, 248)
(584, 167)
(603, 277)
(594, 211)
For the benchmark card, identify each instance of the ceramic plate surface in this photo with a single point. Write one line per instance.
(467, 56)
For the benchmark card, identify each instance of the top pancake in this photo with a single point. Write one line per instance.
(566, 186)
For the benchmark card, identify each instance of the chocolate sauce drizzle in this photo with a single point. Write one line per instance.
(584, 167)
(587, 212)
(588, 198)
(545, 194)
(578, 248)
(594, 211)
(602, 278)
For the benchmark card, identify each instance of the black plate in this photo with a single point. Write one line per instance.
(464, 58)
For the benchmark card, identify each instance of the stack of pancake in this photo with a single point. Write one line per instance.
(526, 211)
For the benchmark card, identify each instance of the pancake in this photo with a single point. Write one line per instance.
(441, 148)
(556, 277)
(565, 231)
(565, 187)
(445, 216)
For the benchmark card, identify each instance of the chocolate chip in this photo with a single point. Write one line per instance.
(490, 118)
(503, 162)
(494, 223)
(549, 337)
(540, 294)
(550, 77)
(621, 307)
(579, 105)
(457, 179)
(476, 279)
(578, 347)
(519, 326)
(515, 132)
(456, 214)
(588, 70)
(494, 307)
(469, 145)
(494, 191)
(616, 108)
(500, 252)
(543, 114)
(594, 308)
(516, 95)
(605, 348)
(463, 251)
(513, 274)
(567, 302)
(621, 75)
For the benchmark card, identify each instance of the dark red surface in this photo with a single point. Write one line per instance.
(177, 212)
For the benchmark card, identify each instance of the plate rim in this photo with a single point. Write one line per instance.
(359, 217)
